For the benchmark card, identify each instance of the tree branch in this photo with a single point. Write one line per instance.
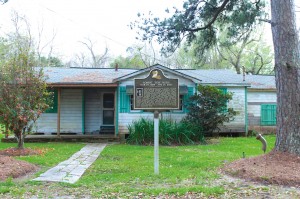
(220, 9)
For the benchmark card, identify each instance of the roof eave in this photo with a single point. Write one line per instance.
(229, 84)
(195, 80)
(83, 85)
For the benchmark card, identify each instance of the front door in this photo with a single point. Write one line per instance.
(108, 109)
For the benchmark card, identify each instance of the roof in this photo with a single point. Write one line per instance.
(217, 76)
(56, 75)
(109, 76)
(261, 81)
(228, 77)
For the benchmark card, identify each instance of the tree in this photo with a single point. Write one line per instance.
(128, 62)
(208, 109)
(250, 53)
(200, 17)
(23, 93)
(287, 73)
(92, 58)
(50, 61)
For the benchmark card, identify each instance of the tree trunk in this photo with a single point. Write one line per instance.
(20, 140)
(287, 75)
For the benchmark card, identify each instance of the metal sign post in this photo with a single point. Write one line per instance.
(156, 93)
(156, 142)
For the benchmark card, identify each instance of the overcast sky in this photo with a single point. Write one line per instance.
(105, 22)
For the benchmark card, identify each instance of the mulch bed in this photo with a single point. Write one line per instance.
(20, 152)
(272, 168)
(10, 167)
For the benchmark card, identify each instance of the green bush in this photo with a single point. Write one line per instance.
(208, 109)
(141, 132)
(2, 128)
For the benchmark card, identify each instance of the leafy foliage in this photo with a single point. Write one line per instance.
(201, 17)
(51, 61)
(208, 108)
(141, 132)
(250, 53)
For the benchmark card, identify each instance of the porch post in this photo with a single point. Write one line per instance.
(116, 118)
(58, 111)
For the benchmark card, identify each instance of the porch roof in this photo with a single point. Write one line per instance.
(90, 77)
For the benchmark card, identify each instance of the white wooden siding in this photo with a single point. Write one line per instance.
(237, 125)
(93, 116)
(71, 111)
(255, 99)
(127, 118)
(238, 105)
(259, 97)
(71, 115)
(47, 123)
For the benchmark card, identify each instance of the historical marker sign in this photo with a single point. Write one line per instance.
(156, 92)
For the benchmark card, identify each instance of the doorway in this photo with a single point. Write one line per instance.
(108, 106)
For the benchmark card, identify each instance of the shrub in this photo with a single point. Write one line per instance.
(141, 132)
(208, 109)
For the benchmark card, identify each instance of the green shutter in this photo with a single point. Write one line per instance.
(124, 100)
(268, 115)
(224, 91)
(53, 108)
(186, 98)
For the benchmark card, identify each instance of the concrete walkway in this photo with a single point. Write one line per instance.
(72, 169)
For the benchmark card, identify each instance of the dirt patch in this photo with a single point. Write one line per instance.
(272, 168)
(10, 167)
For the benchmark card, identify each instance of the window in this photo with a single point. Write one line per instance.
(53, 104)
(108, 108)
(108, 100)
(268, 115)
(131, 103)
(181, 105)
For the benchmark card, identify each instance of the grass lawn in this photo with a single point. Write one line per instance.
(127, 170)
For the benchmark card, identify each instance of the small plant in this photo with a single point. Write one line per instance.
(141, 132)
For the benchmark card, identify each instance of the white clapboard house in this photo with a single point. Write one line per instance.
(100, 100)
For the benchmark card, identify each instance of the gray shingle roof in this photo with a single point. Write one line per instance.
(83, 75)
(230, 77)
(219, 76)
(107, 75)
(261, 81)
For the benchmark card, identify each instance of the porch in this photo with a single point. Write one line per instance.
(80, 111)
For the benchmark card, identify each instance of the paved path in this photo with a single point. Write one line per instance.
(71, 170)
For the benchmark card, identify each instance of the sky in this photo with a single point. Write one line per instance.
(104, 22)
